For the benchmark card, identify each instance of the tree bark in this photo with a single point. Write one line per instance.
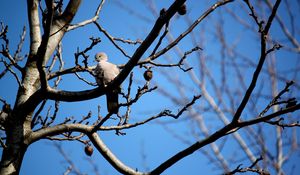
(18, 123)
(16, 145)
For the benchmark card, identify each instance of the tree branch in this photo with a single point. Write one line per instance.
(186, 32)
(180, 62)
(89, 94)
(34, 25)
(232, 127)
(270, 116)
(228, 129)
(89, 21)
(69, 71)
(263, 55)
(110, 157)
(249, 169)
(40, 56)
(111, 38)
(272, 16)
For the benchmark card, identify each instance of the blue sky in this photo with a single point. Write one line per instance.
(153, 139)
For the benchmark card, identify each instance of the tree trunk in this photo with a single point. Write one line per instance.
(18, 122)
(16, 147)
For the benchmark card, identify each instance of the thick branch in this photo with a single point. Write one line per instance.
(89, 94)
(70, 10)
(272, 16)
(228, 129)
(34, 24)
(58, 129)
(40, 56)
(31, 80)
(72, 96)
(270, 116)
(160, 22)
(185, 33)
(110, 157)
(69, 71)
(232, 127)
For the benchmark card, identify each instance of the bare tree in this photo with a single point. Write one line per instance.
(243, 92)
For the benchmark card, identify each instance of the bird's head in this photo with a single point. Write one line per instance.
(101, 56)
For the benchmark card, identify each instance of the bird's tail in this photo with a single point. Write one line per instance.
(112, 99)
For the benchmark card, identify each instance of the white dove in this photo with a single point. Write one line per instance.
(104, 73)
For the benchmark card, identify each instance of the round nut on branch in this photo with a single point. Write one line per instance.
(182, 10)
(88, 150)
(148, 75)
(6, 108)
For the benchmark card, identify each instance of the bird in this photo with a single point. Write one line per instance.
(104, 73)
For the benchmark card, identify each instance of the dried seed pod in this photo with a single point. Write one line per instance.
(148, 75)
(182, 10)
(6, 108)
(88, 150)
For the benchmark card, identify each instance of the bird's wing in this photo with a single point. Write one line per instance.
(110, 71)
(99, 74)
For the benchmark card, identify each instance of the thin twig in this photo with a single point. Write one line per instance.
(89, 21)
(180, 62)
(263, 55)
(14, 74)
(94, 42)
(111, 38)
(35, 117)
(238, 169)
(127, 41)
(20, 45)
(275, 99)
(84, 80)
(187, 31)
(161, 114)
(2, 144)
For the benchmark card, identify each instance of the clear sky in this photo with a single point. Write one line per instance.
(147, 146)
